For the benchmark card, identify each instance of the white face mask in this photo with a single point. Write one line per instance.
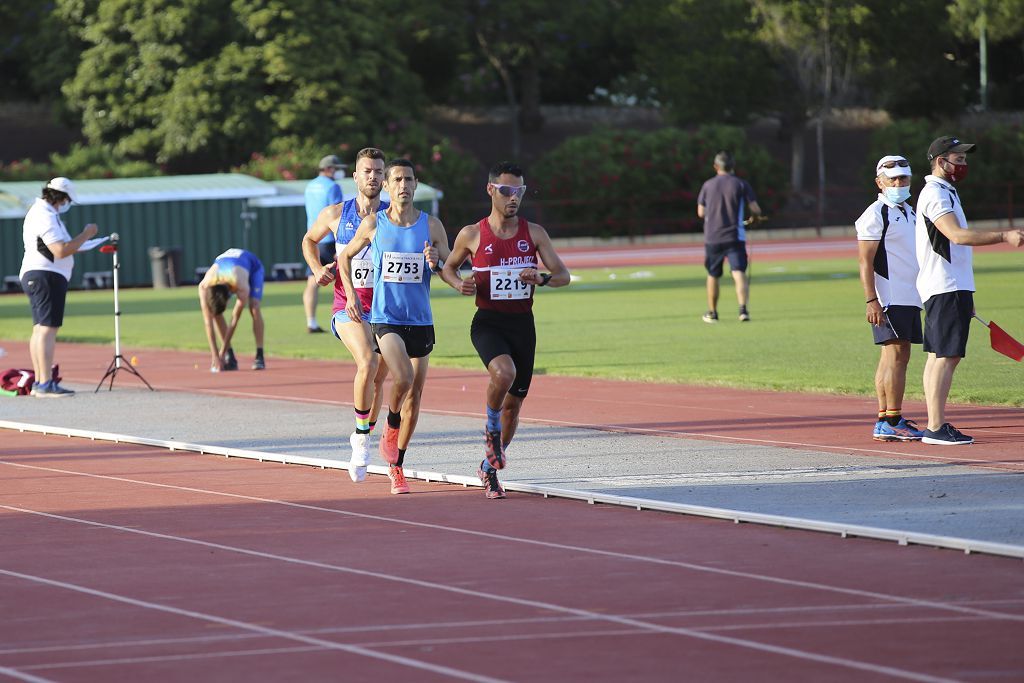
(897, 195)
(63, 208)
(339, 174)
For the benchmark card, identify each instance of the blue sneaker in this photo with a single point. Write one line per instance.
(882, 432)
(904, 430)
(51, 390)
(909, 430)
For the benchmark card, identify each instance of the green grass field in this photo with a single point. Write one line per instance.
(808, 332)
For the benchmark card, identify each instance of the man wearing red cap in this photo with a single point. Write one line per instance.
(946, 279)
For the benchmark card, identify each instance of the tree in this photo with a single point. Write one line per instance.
(986, 20)
(36, 51)
(701, 58)
(524, 41)
(201, 82)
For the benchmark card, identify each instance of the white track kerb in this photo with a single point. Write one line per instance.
(592, 498)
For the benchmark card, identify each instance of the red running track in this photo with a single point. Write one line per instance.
(126, 563)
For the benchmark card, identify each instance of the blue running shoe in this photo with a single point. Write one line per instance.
(907, 430)
(904, 430)
(883, 432)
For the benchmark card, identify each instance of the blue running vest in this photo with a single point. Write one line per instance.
(401, 275)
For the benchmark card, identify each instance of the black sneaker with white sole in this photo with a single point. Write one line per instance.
(946, 435)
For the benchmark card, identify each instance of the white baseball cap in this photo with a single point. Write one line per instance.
(893, 166)
(62, 184)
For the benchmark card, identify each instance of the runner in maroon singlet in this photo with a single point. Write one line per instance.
(506, 252)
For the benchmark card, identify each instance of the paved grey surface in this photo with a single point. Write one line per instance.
(907, 495)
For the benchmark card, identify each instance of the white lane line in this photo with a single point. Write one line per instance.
(21, 676)
(466, 640)
(122, 661)
(254, 628)
(483, 624)
(528, 541)
(431, 585)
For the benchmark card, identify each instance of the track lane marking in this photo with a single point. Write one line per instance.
(430, 585)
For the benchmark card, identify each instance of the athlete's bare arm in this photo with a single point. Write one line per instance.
(327, 217)
(466, 244)
(549, 257)
(364, 235)
(949, 226)
(436, 250)
(866, 250)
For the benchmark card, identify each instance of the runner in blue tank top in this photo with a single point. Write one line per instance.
(238, 272)
(407, 245)
(342, 220)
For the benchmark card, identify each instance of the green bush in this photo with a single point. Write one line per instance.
(994, 165)
(611, 182)
(81, 162)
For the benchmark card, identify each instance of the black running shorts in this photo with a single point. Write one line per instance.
(507, 334)
(419, 339)
(715, 255)
(903, 323)
(947, 323)
(47, 292)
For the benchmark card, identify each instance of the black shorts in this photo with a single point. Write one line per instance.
(947, 323)
(419, 339)
(903, 324)
(47, 291)
(507, 334)
(715, 255)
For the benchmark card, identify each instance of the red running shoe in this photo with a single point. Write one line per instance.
(397, 477)
(494, 453)
(492, 489)
(389, 444)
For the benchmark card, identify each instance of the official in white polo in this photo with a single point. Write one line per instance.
(946, 279)
(45, 273)
(888, 274)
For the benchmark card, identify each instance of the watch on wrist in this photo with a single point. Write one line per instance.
(544, 279)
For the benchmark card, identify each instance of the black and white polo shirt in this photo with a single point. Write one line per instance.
(895, 265)
(944, 266)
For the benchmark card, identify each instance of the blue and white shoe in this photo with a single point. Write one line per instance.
(51, 390)
(904, 430)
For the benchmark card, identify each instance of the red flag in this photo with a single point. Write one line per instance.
(1004, 343)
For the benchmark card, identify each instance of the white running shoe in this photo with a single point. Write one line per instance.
(360, 456)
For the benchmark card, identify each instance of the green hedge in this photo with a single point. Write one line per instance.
(81, 162)
(611, 182)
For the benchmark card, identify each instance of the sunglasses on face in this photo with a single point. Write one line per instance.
(510, 190)
(893, 164)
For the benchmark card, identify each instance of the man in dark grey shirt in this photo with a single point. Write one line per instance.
(723, 203)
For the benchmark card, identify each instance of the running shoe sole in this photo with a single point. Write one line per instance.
(943, 442)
